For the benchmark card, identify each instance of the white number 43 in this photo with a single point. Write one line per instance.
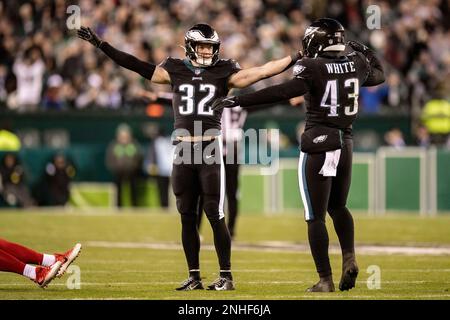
(331, 95)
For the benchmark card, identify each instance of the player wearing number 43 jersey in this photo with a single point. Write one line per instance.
(330, 81)
(196, 81)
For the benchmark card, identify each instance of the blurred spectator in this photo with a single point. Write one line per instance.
(394, 138)
(397, 93)
(29, 71)
(436, 118)
(123, 159)
(422, 136)
(13, 187)
(9, 141)
(58, 175)
(412, 42)
(158, 162)
(52, 99)
(372, 98)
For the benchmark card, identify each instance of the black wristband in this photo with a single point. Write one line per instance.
(296, 56)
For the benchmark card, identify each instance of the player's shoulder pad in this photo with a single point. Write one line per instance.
(229, 62)
(226, 67)
(170, 62)
(303, 68)
(356, 55)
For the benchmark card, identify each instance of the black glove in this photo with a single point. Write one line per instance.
(89, 35)
(224, 102)
(296, 56)
(358, 46)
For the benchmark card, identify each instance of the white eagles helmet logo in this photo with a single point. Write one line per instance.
(310, 30)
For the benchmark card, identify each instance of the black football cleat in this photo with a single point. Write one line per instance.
(324, 285)
(191, 284)
(221, 284)
(349, 274)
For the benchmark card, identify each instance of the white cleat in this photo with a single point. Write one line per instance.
(67, 258)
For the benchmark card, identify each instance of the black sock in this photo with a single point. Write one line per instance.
(194, 274)
(318, 241)
(226, 274)
(191, 240)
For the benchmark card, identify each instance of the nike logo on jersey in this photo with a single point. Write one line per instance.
(337, 68)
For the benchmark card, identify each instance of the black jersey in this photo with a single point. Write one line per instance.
(194, 89)
(330, 84)
(333, 88)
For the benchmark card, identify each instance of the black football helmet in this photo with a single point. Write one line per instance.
(323, 35)
(202, 33)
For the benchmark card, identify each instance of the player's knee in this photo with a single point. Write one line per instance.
(189, 219)
(211, 208)
(315, 219)
(337, 210)
(185, 207)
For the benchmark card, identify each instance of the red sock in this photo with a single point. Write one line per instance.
(10, 263)
(21, 253)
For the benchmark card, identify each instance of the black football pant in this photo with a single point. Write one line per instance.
(321, 194)
(232, 184)
(190, 181)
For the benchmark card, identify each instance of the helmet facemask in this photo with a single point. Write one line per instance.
(202, 34)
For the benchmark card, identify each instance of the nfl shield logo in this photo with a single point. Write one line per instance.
(197, 71)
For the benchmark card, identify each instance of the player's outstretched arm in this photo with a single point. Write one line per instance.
(147, 70)
(249, 76)
(290, 89)
(376, 73)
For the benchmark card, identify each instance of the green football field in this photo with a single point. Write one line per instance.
(138, 255)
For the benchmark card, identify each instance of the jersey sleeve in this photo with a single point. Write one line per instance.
(167, 64)
(370, 71)
(303, 69)
(232, 67)
(362, 65)
(287, 90)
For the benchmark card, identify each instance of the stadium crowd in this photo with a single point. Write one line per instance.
(43, 65)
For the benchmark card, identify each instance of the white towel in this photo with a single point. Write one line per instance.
(329, 167)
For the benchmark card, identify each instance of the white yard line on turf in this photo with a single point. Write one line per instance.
(272, 246)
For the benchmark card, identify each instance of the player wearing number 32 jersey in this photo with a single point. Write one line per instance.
(196, 81)
(330, 81)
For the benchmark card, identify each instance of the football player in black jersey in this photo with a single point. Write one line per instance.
(330, 81)
(196, 81)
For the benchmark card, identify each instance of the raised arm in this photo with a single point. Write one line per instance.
(249, 76)
(376, 73)
(147, 70)
(292, 88)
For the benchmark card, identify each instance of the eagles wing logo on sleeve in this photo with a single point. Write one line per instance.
(298, 68)
(236, 64)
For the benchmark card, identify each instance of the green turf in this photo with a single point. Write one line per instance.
(139, 273)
